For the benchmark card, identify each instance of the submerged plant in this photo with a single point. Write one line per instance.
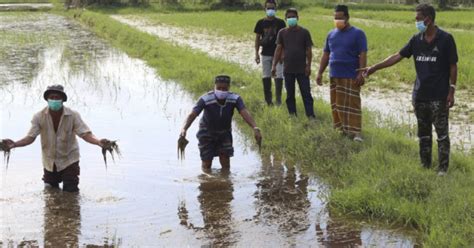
(182, 143)
(6, 151)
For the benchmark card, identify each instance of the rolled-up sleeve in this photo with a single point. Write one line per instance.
(80, 127)
(35, 129)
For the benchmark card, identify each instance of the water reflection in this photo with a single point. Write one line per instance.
(282, 197)
(62, 218)
(336, 233)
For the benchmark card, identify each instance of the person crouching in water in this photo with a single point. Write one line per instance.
(215, 127)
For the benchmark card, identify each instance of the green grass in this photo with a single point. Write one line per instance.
(384, 38)
(379, 178)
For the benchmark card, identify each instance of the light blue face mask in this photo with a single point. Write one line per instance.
(421, 26)
(292, 21)
(270, 12)
(220, 94)
(55, 105)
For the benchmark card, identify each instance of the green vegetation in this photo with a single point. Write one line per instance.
(384, 38)
(380, 178)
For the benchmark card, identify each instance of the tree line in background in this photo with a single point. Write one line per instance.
(255, 4)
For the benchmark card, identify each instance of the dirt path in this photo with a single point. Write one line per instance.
(390, 104)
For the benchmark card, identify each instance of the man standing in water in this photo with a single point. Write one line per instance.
(58, 126)
(435, 56)
(215, 127)
(266, 31)
(295, 43)
(345, 52)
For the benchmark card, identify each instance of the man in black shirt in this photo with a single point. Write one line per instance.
(435, 56)
(266, 31)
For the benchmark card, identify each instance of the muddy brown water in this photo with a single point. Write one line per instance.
(149, 197)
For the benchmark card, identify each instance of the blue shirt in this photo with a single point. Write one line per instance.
(217, 117)
(344, 48)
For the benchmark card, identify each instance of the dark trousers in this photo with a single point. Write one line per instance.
(428, 114)
(69, 177)
(305, 90)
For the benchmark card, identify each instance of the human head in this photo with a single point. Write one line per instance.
(270, 8)
(341, 16)
(55, 92)
(425, 13)
(222, 83)
(291, 16)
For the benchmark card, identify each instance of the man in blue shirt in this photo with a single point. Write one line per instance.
(215, 126)
(435, 56)
(345, 52)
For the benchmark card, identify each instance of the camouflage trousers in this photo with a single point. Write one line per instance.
(429, 114)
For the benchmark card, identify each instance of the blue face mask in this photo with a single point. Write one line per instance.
(220, 94)
(55, 105)
(270, 12)
(292, 21)
(421, 26)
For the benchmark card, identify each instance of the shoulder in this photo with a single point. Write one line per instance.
(41, 113)
(445, 35)
(233, 97)
(357, 30)
(259, 22)
(279, 20)
(69, 111)
(208, 97)
(332, 32)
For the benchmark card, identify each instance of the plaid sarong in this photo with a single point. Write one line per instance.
(346, 105)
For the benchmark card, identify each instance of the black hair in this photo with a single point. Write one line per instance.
(426, 10)
(291, 10)
(222, 79)
(342, 8)
(270, 1)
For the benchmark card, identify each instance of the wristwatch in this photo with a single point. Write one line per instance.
(453, 86)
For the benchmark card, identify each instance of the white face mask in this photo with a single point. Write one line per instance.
(221, 95)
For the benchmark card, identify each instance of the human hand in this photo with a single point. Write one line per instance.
(367, 71)
(8, 144)
(319, 79)
(450, 99)
(360, 79)
(183, 133)
(274, 70)
(307, 70)
(257, 58)
(104, 142)
(258, 136)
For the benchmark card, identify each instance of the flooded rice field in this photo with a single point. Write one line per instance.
(148, 197)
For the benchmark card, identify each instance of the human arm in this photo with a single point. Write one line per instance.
(309, 57)
(257, 48)
(391, 60)
(360, 80)
(250, 121)
(189, 120)
(90, 138)
(453, 76)
(322, 67)
(276, 58)
(20, 143)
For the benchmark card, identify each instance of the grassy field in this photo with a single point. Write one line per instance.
(380, 178)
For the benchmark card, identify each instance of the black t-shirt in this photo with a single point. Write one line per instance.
(432, 64)
(295, 42)
(268, 30)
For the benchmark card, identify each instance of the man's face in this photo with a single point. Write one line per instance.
(291, 15)
(222, 86)
(339, 15)
(55, 96)
(420, 17)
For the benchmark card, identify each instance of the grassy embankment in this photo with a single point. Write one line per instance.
(379, 178)
(384, 38)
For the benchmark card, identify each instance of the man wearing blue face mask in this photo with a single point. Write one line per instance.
(215, 127)
(435, 56)
(58, 127)
(266, 31)
(294, 43)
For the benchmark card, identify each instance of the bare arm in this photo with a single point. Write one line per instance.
(248, 118)
(322, 67)
(21, 143)
(189, 120)
(277, 55)
(257, 48)
(92, 139)
(453, 78)
(391, 60)
(362, 64)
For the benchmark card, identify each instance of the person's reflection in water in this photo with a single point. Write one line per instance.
(216, 194)
(337, 233)
(282, 197)
(62, 218)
